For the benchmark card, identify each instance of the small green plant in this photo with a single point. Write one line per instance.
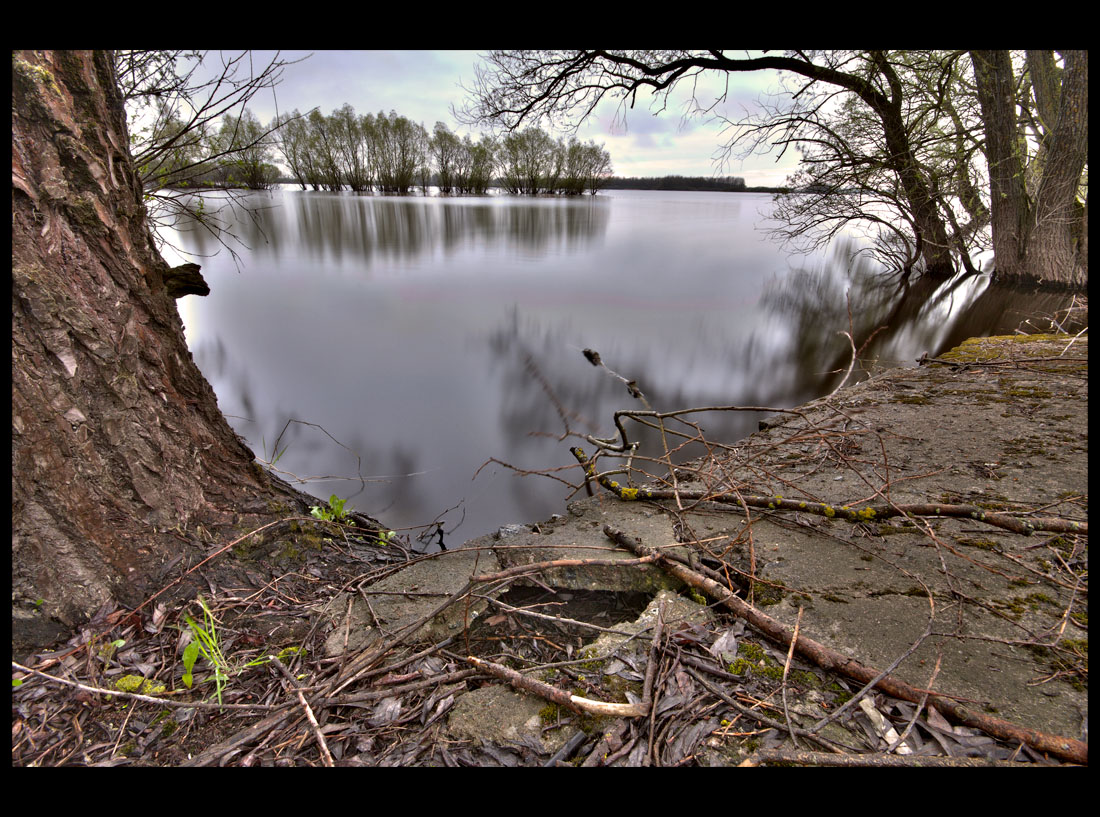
(333, 513)
(205, 642)
(108, 650)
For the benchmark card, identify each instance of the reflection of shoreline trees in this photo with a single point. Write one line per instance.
(779, 354)
(549, 389)
(356, 228)
(377, 476)
(920, 316)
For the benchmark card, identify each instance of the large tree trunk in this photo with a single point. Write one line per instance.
(120, 457)
(1041, 239)
(1056, 246)
(1009, 208)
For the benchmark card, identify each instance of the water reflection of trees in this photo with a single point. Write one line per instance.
(356, 229)
(543, 373)
(921, 316)
(547, 387)
(781, 352)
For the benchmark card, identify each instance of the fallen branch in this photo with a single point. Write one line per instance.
(868, 513)
(787, 758)
(1074, 751)
(557, 696)
(326, 755)
(135, 696)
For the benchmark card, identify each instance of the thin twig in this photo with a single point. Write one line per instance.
(326, 755)
(786, 672)
(153, 699)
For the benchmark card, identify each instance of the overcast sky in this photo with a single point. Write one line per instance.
(423, 86)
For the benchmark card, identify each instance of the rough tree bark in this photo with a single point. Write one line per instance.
(120, 456)
(1040, 235)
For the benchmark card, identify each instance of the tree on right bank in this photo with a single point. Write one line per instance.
(937, 156)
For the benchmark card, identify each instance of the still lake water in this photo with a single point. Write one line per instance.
(427, 334)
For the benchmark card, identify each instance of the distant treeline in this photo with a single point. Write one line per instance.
(380, 152)
(389, 153)
(617, 183)
(724, 184)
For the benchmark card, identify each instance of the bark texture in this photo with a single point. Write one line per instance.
(1056, 250)
(119, 451)
(1039, 235)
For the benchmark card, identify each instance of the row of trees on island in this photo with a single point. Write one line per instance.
(387, 153)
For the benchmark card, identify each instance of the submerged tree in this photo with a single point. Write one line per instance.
(352, 148)
(121, 460)
(447, 153)
(291, 139)
(401, 150)
(587, 167)
(245, 147)
(476, 164)
(531, 161)
(323, 149)
(527, 159)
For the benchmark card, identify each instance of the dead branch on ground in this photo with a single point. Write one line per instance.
(1065, 748)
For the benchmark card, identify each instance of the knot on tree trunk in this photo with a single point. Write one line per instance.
(185, 280)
